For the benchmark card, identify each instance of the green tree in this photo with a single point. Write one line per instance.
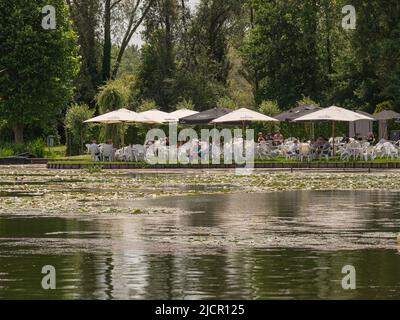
(269, 108)
(185, 104)
(76, 129)
(113, 96)
(226, 102)
(86, 17)
(40, 65)
(204, 69)
(186, 53)
(157, 69)
(147, 105)
(369, 70)
(385, 105)
(281, 51)
(306, 101)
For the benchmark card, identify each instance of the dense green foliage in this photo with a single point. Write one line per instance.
(112, 96)
(36, 148)
(264, 55)
(299, 48)
(40, 65)
(76, 130)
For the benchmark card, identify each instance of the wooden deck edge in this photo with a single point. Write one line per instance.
(272, 165)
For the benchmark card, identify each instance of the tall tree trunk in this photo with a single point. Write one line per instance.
(107, 41)
(128, 36)
(256, 80)
(168, 32)
(328, 30)
(252, 18)
(18, 130)
(92, 51)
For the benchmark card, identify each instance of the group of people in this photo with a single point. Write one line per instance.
(370, 138)
(323, 147)
(277, 138)
(320, 146)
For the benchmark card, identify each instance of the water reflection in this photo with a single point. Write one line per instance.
(230, 246)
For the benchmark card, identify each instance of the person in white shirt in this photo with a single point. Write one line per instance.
(295, 147)
(94, 151)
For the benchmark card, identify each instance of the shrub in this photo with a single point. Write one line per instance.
(306, 101)
(269, 108)
(36, 148)
(185, 104)
(76, 131)
(6, 152)
(226, 102)
(385, 105)
(147, 105)
(113, 96)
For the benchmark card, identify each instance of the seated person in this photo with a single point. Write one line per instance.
(370, 138)
(277, 138)
(358, 137)
(295, 147)
(320, 142)
(319, 146)
(326, 144)
(345, 139)
(261, 138)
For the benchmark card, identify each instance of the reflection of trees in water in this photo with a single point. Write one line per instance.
(108, 279)
(77, 274)
(161, 277)
(317, 275)
(117, 266)
(184, 277)
(328, 210)
(383, 207)
(206, 208)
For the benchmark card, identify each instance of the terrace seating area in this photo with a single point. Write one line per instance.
(275, 147)
(290, 149)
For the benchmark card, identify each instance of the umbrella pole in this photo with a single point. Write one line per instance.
(333, 137)
(313, 130)
(244, 137)
(123, 135)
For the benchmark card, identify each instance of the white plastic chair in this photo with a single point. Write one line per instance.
(305, 152)
(107, 152)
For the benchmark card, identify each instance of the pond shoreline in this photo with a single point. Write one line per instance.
(272, 165)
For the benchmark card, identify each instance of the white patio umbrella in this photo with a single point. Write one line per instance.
(243, 115)
(334, 114)
(156, 115)
(383, 118)
(181, 113)
(121, 116)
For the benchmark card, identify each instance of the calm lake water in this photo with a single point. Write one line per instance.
(281, 245)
